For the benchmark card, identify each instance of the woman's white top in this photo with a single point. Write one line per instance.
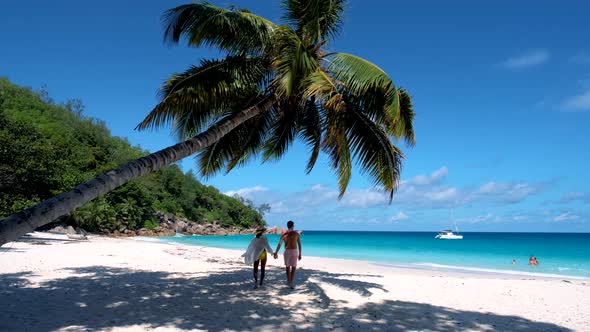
(257, 245)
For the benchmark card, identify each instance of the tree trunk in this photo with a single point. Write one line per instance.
(45, 212)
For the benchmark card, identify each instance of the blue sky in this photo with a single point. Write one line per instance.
(501, 91)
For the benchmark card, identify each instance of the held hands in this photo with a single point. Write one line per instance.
(275, 255)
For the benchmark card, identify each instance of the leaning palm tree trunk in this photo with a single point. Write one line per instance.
(45, 212)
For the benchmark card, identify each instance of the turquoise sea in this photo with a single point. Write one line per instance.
(559, 254)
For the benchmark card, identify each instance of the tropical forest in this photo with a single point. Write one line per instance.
(47, 148)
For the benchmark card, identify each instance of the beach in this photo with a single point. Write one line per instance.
(52, 283)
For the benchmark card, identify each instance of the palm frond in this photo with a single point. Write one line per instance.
(403, 125)
(310, 131)
(372, 149)
(322, 88)
(253, 139)
(233, 30)
(336, 146)
(240, 144)
(358, 75)
(232, 72)
(396, 116)
(374, 91)
(349, 127)
(314, 20)
(293, 62)
(190, 100)
(237, 147)
(283, 130)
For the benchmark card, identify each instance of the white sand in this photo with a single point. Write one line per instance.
(49, 283)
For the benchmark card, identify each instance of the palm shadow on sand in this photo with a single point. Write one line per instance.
(100, 297)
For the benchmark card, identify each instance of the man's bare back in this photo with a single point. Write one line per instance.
(290, 239)
(292, 255)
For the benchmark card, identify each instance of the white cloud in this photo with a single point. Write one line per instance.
(567, 216)
(478, 219)
(510, 217)
(491, 187)
(419, 193)
(429, 197)
(442, 195)
(510, 193)
(427, 191)
(578, 103)
(247, 192)
(361, 220)
(530, 59)
(320, 193)
(506, 218)
(293, 203)
(351, 220)
(279, 207)
(424, 180)
(575, 196)
(520, 217)
(315, 196)
(364, 198)
(399, 216)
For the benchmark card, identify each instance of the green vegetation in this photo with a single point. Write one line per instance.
(46, 149)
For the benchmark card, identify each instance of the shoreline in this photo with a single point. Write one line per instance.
(123, 284)
(417, 266)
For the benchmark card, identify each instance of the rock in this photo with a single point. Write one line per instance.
(58, 229)
(77, 236)
(72, 233)
(194, 228)
(70, 230)
(169, 225)
(275, 230)
(144, 232)
(180, 225)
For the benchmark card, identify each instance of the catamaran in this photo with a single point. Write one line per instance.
(448, 234)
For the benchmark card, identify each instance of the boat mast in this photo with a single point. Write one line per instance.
(454, 221)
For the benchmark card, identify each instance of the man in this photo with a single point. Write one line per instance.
(292, 242)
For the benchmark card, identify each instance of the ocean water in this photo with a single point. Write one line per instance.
(559, 254)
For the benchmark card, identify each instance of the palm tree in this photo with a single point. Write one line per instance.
(276, 84)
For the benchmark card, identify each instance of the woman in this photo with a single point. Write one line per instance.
(256, 254)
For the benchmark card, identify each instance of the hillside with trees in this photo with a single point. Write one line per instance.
(48, 148)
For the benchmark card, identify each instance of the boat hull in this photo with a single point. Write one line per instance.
(449, 237)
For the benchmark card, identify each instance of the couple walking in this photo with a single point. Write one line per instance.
(257, 252)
